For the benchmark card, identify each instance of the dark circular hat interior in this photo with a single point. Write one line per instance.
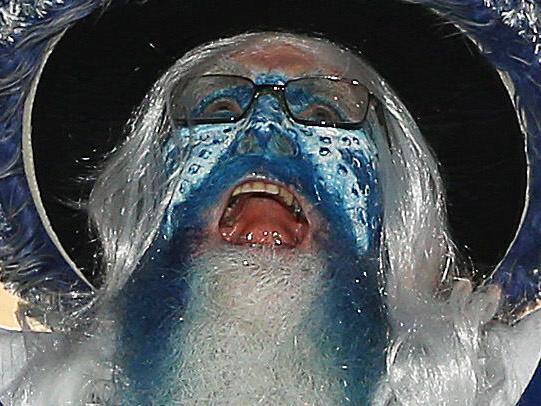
(102, 68)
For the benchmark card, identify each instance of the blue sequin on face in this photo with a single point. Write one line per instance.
(336, 171)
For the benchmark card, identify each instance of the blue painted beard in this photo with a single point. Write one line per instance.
(215, 320)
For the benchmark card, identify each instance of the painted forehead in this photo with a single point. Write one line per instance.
(289, 58)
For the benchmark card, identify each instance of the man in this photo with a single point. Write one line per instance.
(274, 232)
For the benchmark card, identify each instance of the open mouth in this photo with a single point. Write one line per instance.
(263, 213)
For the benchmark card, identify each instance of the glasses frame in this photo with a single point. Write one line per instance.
(278, 90)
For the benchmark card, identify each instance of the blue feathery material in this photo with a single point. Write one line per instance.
(509, 35)
(29, 261)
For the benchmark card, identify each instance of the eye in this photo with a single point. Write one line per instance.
(320, 113)
(222, 107)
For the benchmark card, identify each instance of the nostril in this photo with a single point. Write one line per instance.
(249, 145)
(282, 145)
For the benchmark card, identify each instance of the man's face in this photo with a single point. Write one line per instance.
(326, 175)
(266, 261)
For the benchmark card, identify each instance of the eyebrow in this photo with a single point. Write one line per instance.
(226, 66)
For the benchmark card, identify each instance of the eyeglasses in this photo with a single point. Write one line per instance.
(315, 101)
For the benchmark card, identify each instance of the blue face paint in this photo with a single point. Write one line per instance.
(336, 171)
(241, 94)
(300, 101)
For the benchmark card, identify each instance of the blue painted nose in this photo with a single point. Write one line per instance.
(265, 133)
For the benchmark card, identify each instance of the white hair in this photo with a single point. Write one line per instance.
(437, 349)
(132, 191)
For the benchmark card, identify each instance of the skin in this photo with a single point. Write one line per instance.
(333, 172)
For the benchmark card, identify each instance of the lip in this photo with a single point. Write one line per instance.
(311, 215)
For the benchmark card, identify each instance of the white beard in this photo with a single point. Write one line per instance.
(245, 339)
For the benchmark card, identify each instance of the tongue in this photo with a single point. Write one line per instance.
(262, 220)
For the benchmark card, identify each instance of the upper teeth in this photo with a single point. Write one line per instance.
(261, 187)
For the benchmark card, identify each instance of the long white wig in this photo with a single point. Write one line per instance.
(437, 354)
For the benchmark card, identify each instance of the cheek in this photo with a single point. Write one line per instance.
(346, 169)
(190, 154)
(206, 147)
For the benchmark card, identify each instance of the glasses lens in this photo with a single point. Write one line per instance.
(210, 99)
(327, 101)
